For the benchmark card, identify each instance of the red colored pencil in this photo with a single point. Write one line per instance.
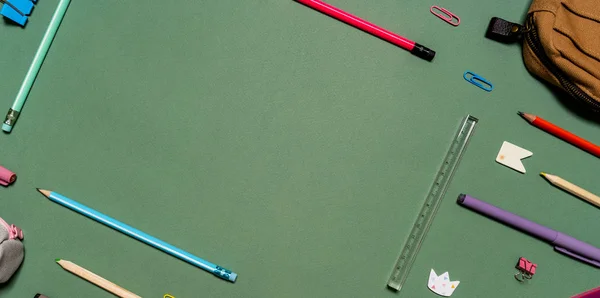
(561, 133)
(389, 36)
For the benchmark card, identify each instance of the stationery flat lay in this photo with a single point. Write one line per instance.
(300, 148)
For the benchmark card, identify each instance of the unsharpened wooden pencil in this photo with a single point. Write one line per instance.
(95, 279)
(572, 188)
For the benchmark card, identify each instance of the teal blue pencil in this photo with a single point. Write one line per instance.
(34, 68)
(139, 235)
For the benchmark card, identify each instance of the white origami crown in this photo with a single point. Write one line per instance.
(441, 285)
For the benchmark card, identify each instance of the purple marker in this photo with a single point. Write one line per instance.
(562, 243)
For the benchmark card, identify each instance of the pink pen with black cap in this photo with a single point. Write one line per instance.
(389, 36)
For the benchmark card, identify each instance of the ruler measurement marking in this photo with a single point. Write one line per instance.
(432, 201)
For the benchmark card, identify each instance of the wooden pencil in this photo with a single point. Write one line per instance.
(573, 189)
(95, 279)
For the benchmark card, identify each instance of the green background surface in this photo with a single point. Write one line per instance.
(284, 145)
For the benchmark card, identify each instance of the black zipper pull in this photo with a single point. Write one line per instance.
(504, 31)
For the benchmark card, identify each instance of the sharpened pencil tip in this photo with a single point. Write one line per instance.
(543, 174)
(46, 193)
(57, 260)
(528, 117)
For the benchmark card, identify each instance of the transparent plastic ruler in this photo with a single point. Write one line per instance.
(432, 202)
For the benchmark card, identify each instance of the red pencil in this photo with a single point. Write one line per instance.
(389, 36)
(561, 133)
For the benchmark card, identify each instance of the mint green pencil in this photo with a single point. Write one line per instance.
(34, 68)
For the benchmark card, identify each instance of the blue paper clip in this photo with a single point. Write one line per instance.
(478, 81)
(17, 10)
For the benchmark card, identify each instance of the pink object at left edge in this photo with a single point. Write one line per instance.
(6, 177)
